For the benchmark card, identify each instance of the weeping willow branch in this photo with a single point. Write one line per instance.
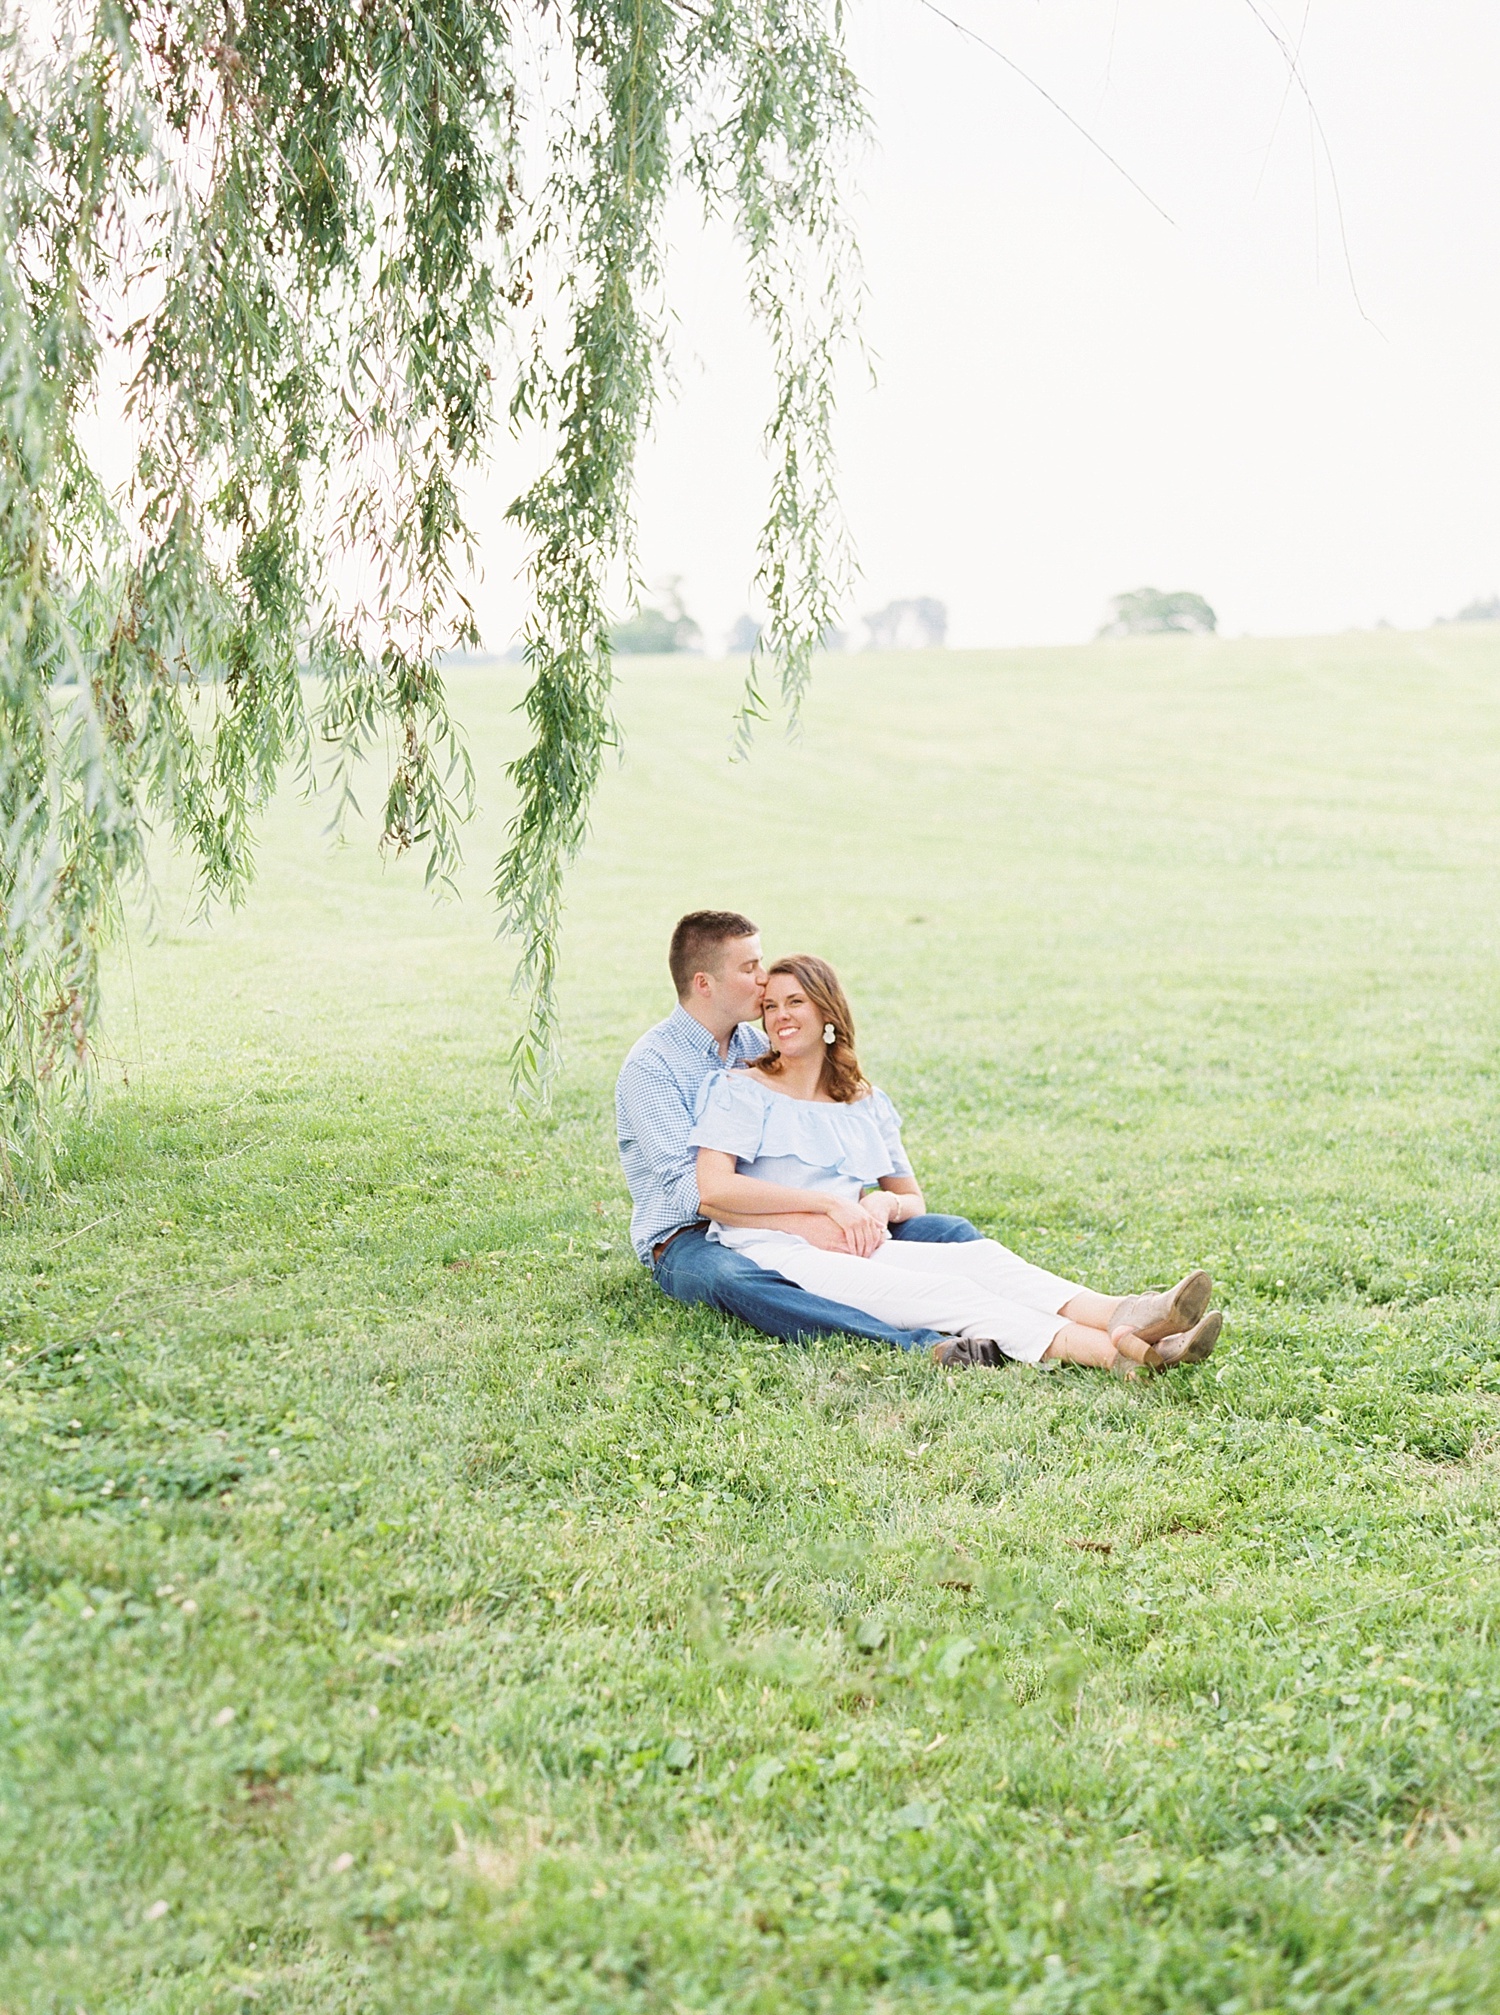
(805, 291)
(297, 235)
(771, 106)
(608, 188)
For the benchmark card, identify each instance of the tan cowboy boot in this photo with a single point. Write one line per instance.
(1192, 1346)
(1165, 1313)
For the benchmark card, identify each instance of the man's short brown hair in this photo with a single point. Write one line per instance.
(696, 941)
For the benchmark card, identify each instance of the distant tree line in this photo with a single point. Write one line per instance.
(918, 623)
(1485, 609)
(657, 632)
(1145, 612)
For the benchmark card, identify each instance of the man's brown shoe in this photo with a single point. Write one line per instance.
(959, 1352)
(1165, 1313)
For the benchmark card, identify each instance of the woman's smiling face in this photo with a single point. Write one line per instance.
(789, 1018)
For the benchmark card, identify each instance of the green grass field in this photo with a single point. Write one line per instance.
(405, 1608)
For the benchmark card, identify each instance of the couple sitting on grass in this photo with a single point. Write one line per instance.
(815, 1224)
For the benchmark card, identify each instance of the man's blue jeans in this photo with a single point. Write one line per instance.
(697, 1268)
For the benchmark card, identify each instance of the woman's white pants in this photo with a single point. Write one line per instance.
(976, 1288)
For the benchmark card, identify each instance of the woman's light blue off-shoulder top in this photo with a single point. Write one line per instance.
(799, 1142)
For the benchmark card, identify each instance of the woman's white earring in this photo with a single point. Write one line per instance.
(830, 1033)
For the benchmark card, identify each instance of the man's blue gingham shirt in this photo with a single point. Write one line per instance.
(654, 1101)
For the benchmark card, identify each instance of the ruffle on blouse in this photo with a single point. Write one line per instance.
(739, 1116)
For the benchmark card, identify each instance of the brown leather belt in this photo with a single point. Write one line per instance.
(658, 1250)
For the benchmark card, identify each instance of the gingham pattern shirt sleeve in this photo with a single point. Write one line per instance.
(654, 1100)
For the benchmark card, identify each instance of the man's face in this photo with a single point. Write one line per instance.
(739, 986)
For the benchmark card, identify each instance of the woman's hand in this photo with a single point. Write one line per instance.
(864, 1231)
(883, 1205)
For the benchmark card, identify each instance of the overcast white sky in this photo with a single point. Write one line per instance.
(1075, 397)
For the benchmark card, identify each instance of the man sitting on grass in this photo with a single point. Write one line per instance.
(715, 962)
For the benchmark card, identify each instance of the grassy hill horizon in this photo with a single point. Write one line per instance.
(1472, 625)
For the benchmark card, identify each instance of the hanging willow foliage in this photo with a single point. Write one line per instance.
(304, 234)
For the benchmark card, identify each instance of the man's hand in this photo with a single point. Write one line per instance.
(864, 1231)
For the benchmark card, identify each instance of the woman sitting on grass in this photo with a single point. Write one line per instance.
(806, 1157)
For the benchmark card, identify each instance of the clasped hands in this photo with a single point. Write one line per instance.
(864, 1225)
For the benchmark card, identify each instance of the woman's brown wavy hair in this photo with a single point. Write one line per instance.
(842, 1078)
